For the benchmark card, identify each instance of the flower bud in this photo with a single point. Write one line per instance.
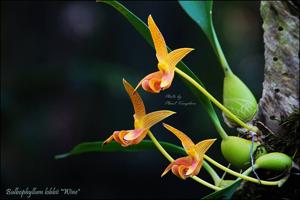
(274, 161)
(238, 98)
(236, 151)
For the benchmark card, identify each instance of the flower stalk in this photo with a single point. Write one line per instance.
(215, 101)
(242, 176)
(218, 50)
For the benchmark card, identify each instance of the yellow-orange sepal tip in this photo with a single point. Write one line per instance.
(137, 102)
(204, 145)
(187, 143)
(158, 39)
(175, 56)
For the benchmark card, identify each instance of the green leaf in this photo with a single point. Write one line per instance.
(225, 193)
(142, 28)
(87, 147)
(201, 13)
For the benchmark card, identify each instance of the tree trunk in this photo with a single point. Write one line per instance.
(278, 115)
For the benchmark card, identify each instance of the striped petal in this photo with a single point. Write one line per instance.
(158, 40)
(187, 143)
(203, 146)
(153, 118)
(137, 102)
(174, 57)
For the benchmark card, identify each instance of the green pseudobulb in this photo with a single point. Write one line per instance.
(237, 151)
(274, 161)
(238, 98)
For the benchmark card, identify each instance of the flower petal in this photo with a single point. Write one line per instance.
(195, 167)
(176, 56)
(145, 82)
(108, 140)
(140, 138)
(133, 134)
(198, 167)
(185, 161)
(121, 136)
(112, 137)
(127, 137)
(137, 102)
(175, 170)
(116, 136)
(166, 80)
(187, 143)
(167, 169)
(182, 171)
(158, 40)
(203, 146)
(154, 85)
(153, 118)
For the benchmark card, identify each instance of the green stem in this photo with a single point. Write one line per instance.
(215, 101)
(220, 129)
(218, 50)
(165, 153)
(246, 173)
(224, 174)
(216, 178)
(242, 176)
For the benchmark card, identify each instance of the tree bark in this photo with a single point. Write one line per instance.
(278, 115)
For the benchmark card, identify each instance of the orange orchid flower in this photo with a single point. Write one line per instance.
(142, 121)
(190, 165)
(162, 79)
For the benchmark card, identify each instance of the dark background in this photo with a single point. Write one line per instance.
(62, 65)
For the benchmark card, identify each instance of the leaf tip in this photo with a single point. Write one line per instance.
(57, 157)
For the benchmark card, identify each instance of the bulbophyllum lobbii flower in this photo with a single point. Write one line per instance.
(190, 165)
(162, 79)
(142, 121)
